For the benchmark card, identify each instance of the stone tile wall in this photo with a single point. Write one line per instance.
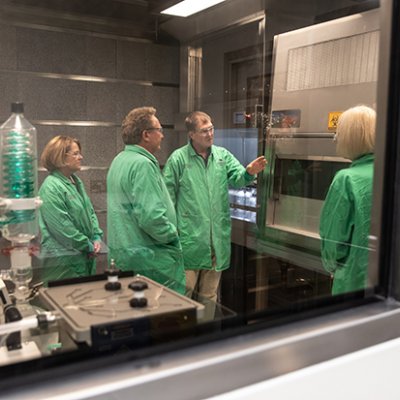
(82, 85)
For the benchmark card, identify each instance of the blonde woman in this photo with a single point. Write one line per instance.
(70, 232)
(346, 214)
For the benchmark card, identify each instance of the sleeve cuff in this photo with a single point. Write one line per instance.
(91, 247)
(249, 177)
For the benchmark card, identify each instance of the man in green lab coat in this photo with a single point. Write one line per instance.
(346, 214)
(198, 176)
(141, 219)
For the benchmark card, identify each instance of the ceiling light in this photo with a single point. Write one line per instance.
(189, 7)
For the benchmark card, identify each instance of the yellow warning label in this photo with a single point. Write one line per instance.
(333, 119)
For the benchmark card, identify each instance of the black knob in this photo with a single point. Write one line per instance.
(112, 286)
(138, 286)
(138, 302)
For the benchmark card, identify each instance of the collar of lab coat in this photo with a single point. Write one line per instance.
(63, 178)
(364, 159)
(194, 153)
(135, 148)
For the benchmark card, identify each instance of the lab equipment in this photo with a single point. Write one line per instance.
(300, 140)
(18, 194)
(18, 172)
(112, 278)
(103, 319)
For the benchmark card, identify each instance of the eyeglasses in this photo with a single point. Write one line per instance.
(75, 154)
(206, 131)
(161, 130)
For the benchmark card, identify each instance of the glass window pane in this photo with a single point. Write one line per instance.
(172, 227)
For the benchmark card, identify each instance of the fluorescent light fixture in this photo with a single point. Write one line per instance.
(189, 7)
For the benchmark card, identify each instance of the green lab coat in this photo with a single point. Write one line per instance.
(68, 226)
(345, 225)
(201, 198)
(141, 219)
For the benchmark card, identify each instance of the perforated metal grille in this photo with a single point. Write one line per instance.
(344, 61)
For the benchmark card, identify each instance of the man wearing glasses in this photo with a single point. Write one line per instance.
(197, 177)
(141, 219)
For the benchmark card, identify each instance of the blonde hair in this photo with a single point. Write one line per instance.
(193, 119)
(54, 154)
(356, 132)
(137, 121)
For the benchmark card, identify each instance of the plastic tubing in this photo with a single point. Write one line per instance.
(23, 324)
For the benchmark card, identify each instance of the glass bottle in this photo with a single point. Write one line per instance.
(18, 173)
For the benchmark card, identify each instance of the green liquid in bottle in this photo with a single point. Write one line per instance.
(18, 173)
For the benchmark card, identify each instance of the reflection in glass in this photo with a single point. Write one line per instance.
(295, 62)
(346, 215)
(70, 231)
(307, 178)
